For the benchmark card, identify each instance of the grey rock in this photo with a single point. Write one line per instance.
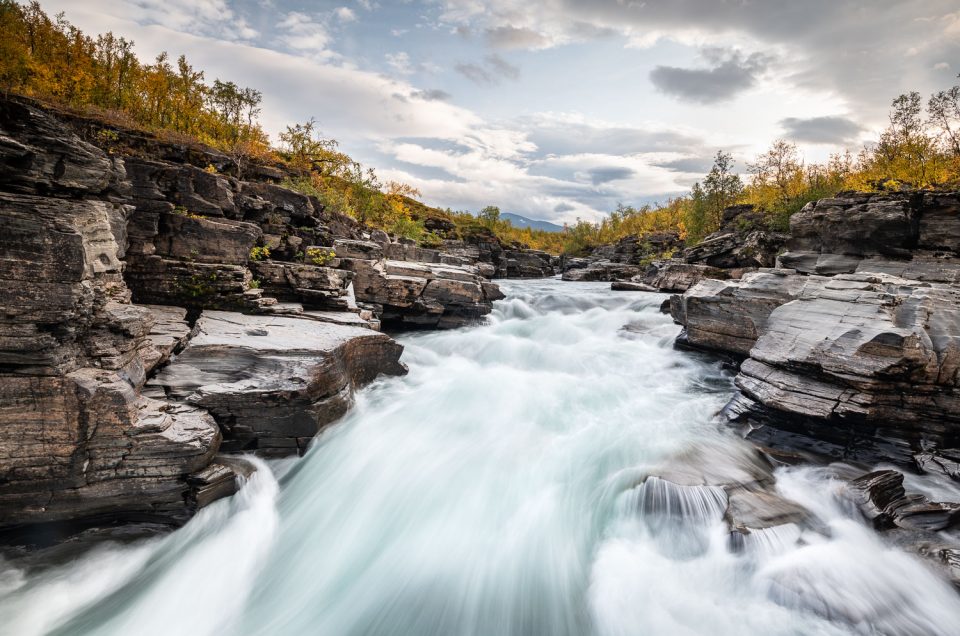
(729, 315)
(274, 382)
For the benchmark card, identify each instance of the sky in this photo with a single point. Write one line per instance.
(557, 109)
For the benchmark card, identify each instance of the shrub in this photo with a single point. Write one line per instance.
(259, 253)
(319, 255)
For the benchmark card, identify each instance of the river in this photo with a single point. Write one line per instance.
(494, 491)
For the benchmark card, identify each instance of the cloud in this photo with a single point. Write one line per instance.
(509, 37)
(491, 72)
(345, 14)
(833, 46)
(699, 164)
(822, 130)
(431, 95)
(565, 133)
(306, 34)
(606, 174)
(502, 67)
(731, 74)
(400, 62)
(563, 207)
(213, 18)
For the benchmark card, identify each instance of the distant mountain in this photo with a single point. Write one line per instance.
(521, 221)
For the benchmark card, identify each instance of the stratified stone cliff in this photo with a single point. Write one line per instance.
(852, 344)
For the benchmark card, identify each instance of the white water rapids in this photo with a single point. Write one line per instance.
(492, 491)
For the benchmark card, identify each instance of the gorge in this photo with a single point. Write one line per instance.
(431, 509)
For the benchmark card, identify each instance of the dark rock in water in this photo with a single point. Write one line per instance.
(603, 271)
(96, 449)
(883, 501)
(631, 286)
(665, 306)
(877, 495)
(677, 276)
(752, 509)
(417, 294)
(847, 359)
(929, 515)
(273, 383)
(945, 461)
(221, 478)
(870, 349)
(801, 439)
(80, 440)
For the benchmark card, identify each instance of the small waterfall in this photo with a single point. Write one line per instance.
(679, 518)
(657, 499)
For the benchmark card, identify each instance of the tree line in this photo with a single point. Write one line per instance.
(51, 59)
(919, 149)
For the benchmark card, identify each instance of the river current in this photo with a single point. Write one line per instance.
(494, 491)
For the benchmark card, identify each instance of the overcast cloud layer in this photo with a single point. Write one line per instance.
(556, 109)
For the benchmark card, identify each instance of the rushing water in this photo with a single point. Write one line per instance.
(498, 490)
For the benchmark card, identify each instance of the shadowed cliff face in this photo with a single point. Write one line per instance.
(83, 232)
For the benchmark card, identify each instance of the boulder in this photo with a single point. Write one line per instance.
(677, 276)
(422, 294)
(868, 361)
(273, 383)
(86, 445)
(527, 264)
(882, 500)
(602, 271)
(729, 315)
(732, 249)
(626, 285)
(205, 240)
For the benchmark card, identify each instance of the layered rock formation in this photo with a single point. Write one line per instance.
(844, 359)
(79, 439)
(106, 261)
(273, 383)
(416, 294)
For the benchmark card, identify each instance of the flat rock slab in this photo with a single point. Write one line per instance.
(168, 333)
(273, 382)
